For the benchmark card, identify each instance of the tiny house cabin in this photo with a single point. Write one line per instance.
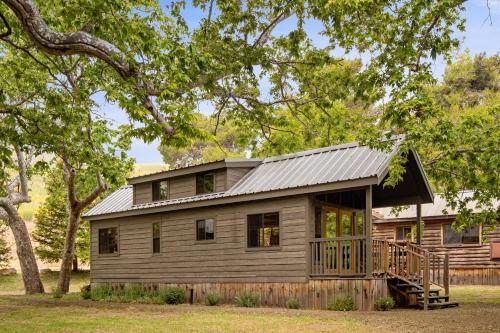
(297, 225)
(473, 253)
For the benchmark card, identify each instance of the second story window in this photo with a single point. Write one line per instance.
(204, 183)
(160, 190)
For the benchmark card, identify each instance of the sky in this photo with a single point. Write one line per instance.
(482, 34)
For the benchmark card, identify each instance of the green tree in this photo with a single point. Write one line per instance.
(157, 67)
(460, 149)
(51, 222)
(221, 140)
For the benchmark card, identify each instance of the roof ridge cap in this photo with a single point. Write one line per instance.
(309, 152)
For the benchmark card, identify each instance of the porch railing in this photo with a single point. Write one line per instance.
(339, 256)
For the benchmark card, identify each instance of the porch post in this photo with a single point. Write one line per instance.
(368, 230)
(419, 219)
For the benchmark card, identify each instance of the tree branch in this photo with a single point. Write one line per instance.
(7, 25)
(57, 43)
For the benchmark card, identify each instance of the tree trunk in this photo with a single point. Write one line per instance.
(29, 267)
(75, 264)
(69, 250)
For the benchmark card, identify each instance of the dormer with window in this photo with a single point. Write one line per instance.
(191, 181)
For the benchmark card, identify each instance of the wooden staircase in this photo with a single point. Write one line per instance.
(411, 272)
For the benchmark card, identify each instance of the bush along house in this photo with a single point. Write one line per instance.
(297, 225)
(474, 252)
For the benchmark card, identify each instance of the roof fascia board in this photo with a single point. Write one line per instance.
(422, 172)
(344, 185)
(194, 169)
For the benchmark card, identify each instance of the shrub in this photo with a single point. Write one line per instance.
(248, 300)
(85, 291)
(172, 295)
(341, 303)
(384, 304)
(293, 303)
(212, 298)
(133, 292)
(101, 292)
(57, 293)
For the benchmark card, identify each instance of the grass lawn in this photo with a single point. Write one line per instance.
(476, 294)
(479, 311)
(10, 285)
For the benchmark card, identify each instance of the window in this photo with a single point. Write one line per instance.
(160, 190)
(156, 237)
(470, 235)
(204, 183)
(108, 240)
(205, 229)
(263, 230)
(403, 233)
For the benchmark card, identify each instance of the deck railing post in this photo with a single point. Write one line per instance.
(446, 275)
(386, 257)
(426, 280)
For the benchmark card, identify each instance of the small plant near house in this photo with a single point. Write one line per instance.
(384, 304)
(57, 293)
(293, 303)
(212, 298)
(341, 303)
(132, 292)
(85, 292)
(172, 295)
(103, 292)
(247, 300)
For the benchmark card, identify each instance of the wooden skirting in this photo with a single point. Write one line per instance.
(486, 276)
(314, 294)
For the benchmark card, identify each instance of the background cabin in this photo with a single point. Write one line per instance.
(474, 256)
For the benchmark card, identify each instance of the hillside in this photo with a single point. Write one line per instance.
(38, 192)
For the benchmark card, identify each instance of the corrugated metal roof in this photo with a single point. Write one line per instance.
(313, 167)
(430, 210)
(307, 168)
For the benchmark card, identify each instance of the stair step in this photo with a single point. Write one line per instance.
(421, 291)
(407, 285)
(434, 298)
(439, 305)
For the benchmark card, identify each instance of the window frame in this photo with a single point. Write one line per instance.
(117, 253)
(205, 241)
(280, 226)
(158, 184)
(396, 233)
(153, 238)
(478, 244)
(196, 182)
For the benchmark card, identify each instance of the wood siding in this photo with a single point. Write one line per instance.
(185, 186)
(464, 260)
(181, 187)
(226, 259)
(313, 294)
(143, 193)
(234, 175)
